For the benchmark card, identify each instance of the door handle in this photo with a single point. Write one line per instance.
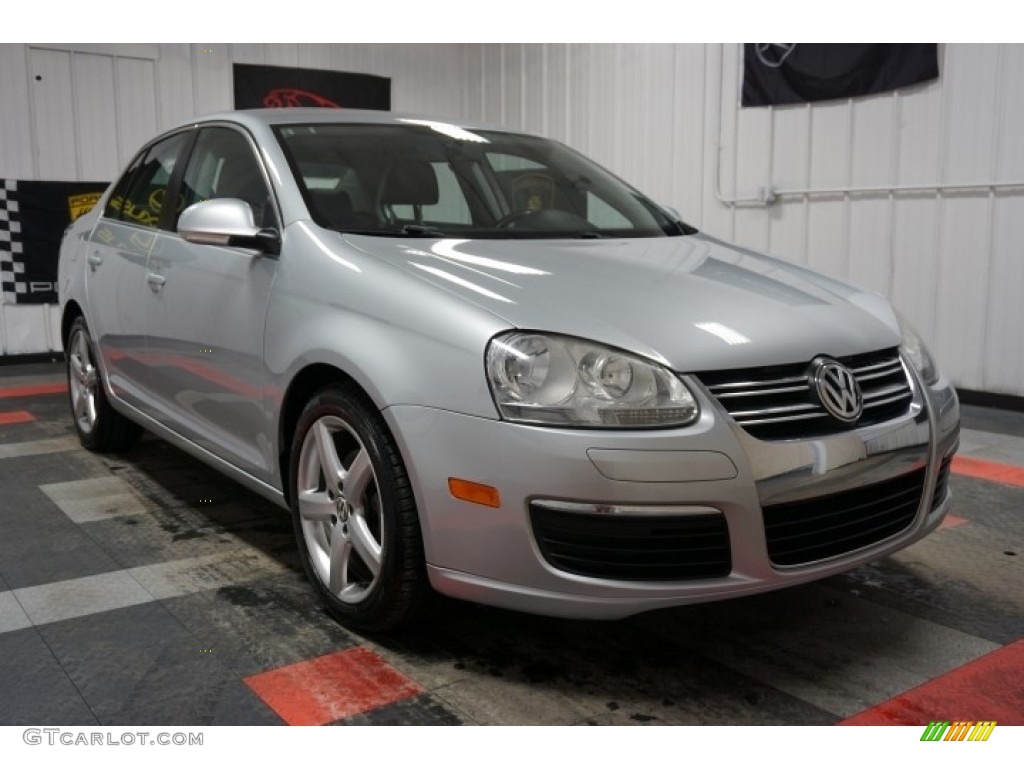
(156, 282)
(94, 260)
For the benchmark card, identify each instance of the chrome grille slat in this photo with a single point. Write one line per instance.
(874, 394)
(893, 371)
(894, 364)
(777, 402)
(887, 401)
(784, 419)
(743, 415)
(771, 382)
(751, 393)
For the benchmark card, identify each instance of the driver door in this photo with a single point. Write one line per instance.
(207, 311)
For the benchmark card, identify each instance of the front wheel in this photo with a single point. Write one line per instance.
(354, 514)
(100, 428)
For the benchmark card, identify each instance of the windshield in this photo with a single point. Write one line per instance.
(433, 179)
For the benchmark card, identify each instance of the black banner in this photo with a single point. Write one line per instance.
(33, 217)
(793, 73)
(257, 87)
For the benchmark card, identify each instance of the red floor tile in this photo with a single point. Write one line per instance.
(35, 389)
(988, 688)
(16, 417)
(332, 687)
(988, 470)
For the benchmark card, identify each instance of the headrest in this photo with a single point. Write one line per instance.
(411, 183)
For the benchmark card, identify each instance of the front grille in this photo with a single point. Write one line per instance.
(648, 548)
(805, 531)
(778, 402)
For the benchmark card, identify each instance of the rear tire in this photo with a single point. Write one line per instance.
(354, 514)
(100, 428)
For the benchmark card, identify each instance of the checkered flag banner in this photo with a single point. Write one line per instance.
(33, 217)
(11, 272)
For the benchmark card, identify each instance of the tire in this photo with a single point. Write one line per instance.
(100, 428)
(355, 516)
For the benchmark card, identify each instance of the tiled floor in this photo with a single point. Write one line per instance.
(145, 589)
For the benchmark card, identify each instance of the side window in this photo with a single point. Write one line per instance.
(139, 197)
(223, 165)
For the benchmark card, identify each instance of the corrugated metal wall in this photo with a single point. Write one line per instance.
(666, 117)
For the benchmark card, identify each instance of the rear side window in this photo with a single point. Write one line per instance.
(139, 197)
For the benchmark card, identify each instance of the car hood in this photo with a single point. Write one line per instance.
(691, 302)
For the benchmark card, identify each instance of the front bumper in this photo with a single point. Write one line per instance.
(491, 555)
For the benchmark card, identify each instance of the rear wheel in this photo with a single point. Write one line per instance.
(100, 428)
(354, 514)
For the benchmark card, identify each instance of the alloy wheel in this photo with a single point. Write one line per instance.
(340, 509)
(82, 380)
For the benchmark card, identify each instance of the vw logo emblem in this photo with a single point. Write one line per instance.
(837, 389)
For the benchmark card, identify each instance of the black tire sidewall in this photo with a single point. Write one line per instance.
(384, 607)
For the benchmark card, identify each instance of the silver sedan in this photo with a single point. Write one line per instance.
(472, 361)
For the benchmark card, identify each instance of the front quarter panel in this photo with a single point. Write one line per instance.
(403, 341)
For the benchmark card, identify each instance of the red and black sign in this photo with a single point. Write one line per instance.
(33, 217)
(794, 73)
(257, 87)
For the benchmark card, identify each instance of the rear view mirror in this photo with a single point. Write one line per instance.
(226, 221)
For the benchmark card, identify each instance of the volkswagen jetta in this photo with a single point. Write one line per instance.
(472, 361)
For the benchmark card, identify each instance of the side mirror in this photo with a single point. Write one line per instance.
(226, 221)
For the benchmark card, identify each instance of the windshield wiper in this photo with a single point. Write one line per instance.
(421, 230)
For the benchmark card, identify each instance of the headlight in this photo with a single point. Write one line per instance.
(559, 381)
(918, 353)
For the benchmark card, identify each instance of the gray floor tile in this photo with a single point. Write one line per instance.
(12, 616)
(61, 600)
(36, 691)
(95, 498)
(38, 447)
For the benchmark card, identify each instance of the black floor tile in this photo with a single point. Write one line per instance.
(127, 660)
(35, 690)
(422, 710)
(218, 699)
(263, 625)
(40, 544)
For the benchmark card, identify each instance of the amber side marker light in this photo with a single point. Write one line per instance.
(475, 493)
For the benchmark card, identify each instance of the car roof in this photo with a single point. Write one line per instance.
(300, 115)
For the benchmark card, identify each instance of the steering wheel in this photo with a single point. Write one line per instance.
(509, 219)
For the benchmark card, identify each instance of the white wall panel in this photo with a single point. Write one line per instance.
(16, 132)
(688, 92)
(137, 105)
(556, 92)
(96, 127)
(211, 78)
(1003, 348)
(53, 115)
(971, 82)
